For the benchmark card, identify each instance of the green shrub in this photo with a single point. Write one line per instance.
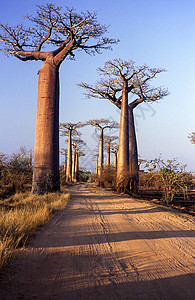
(171, 176)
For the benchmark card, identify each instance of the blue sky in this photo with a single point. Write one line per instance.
(160, 33)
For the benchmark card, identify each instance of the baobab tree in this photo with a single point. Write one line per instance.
(109, 139)
(77, 144)
(65, 31)
(70, 130)
(102, 124)
(114, 150)
(64, 152)
(119, 79)
(79, 153)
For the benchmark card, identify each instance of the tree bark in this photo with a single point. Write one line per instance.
(108, 155)
(46, 151)
(96, 168)
(122, 182)
(115, 160)
(101, 156)
(77, 167)
(74, 165)
(133, 155)
(65, 163)
(69, 158)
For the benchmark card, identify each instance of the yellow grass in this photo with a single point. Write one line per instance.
(21, 215)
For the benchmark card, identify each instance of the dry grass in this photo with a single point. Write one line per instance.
(21, 215)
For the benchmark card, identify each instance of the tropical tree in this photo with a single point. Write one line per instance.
(119, 79)
(102, 124)
(77, 144)
(65, 153)
(109, 139)
(70, 130)
(114, 150)
(66, 31)
(192, 137)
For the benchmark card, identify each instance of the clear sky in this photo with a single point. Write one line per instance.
(160, 33)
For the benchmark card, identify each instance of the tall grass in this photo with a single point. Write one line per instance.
(21, 215)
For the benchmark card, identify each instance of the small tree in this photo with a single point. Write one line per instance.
(66, 31)
(17, 169)
(102, 124)
(77, 151)
(69, 130)
(109, 139)
(173, 177)
(114, 150)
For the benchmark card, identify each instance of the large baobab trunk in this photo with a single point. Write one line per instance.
(46, 151)
(69, 158)
(133, 155)
(122, 184)
(108, 155)
(101, 157)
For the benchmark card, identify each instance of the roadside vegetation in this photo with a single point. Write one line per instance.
(163, 181)
(21, 213)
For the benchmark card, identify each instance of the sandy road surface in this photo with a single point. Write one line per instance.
(106, 246)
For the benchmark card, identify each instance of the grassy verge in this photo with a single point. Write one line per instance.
(21, 215)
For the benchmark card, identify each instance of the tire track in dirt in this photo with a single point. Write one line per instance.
(106, 246)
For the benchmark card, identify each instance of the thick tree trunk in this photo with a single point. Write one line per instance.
(65, 163)
(69, 158)
(77, 167)
(115, 160)
(96, 167)
(101, 157)
(108, 155)
(74, 165)
(122, 183)
(46, 151)
(133, 155)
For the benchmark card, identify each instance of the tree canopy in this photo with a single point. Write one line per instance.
(66, 30)
(115, 72)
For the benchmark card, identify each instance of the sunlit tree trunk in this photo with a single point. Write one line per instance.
(46, 162)
(65, 163)
(115, 160)
(108, 155)
(77, 167)
(69, 158)
(96, 165)
(101, 156)
(122, 184)
(133, 155)
(74, 164)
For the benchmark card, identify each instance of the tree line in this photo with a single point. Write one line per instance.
(65, 31)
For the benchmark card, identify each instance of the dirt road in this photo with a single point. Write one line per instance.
(106, 246)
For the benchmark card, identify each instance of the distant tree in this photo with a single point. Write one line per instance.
(77, 144)
(102, 124)
(67, 31)
(109, 139)
(16, 169)
(114, 150)
(64, 152)
(69, 130)
(192, 137)
(120, 78)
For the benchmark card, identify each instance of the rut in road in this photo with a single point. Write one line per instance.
(106, 246)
